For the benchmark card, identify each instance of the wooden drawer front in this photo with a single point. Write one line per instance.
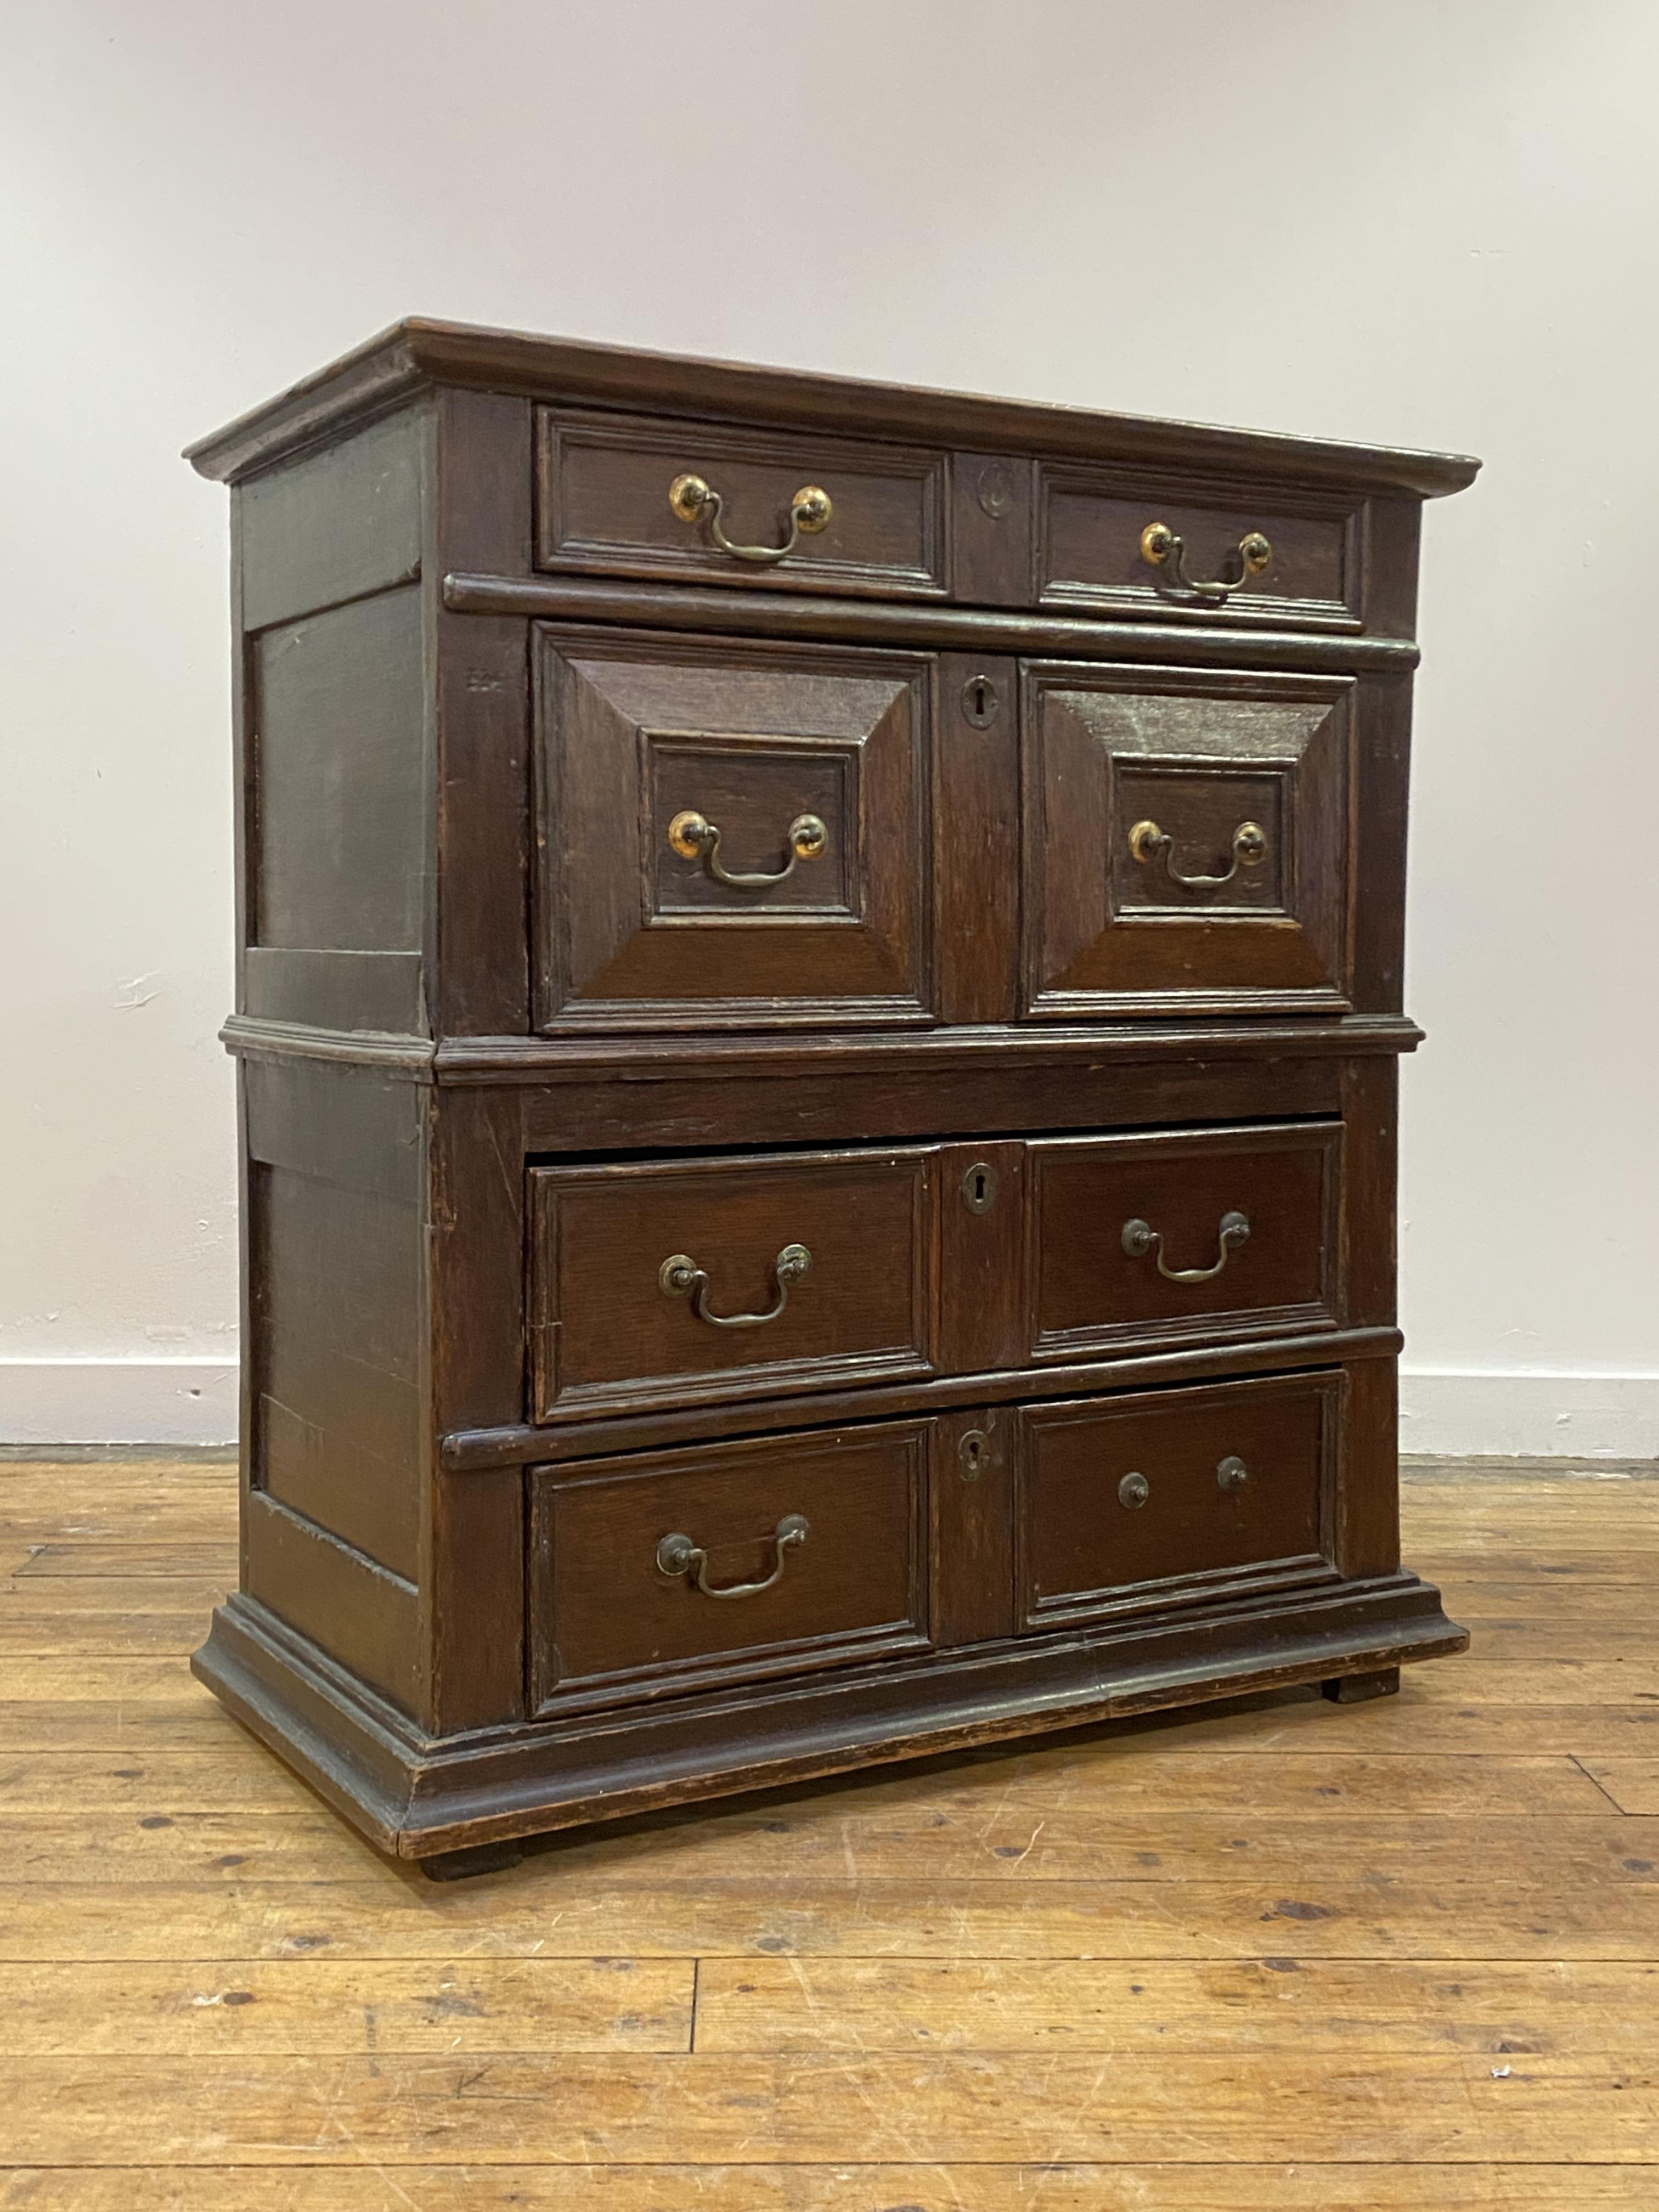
(604, 484)
(1090, 525)
(617, 1609)
(812, 765)
(1128, 1504)
(1139, 781)
(610, 1335)
(1251, 1212)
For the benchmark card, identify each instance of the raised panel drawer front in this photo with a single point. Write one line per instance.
(1156, 546)
(732, 834)
(784, 508)
(727, 1562)
(1187, 841)
(1175, 1497)
(728, 1278)
(1187, 1235)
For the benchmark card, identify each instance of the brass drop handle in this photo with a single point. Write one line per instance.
(679, 1555)
(695, 500)
(1147, 841)
(1161, 548)
(693, 837)
(680, 1277)
(1139, 1238)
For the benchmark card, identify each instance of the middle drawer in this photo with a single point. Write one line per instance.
(729, 1278)
(725, 1278)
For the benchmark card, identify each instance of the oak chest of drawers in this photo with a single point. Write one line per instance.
(818, 1008)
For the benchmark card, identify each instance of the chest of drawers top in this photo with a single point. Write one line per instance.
(917, 496)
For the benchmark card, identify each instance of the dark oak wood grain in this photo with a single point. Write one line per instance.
(603, 484)
(611, 1624)
(618, 914)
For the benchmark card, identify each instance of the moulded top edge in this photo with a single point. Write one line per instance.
(417, 352)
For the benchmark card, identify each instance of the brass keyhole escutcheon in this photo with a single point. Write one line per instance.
(982, 702)
(979, 1187)
(996, 491)
(1134, 1492)
(972, 1455)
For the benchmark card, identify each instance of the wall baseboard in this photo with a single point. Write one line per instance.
(117, 1401)
(1479, 1413)
(1443, 1413)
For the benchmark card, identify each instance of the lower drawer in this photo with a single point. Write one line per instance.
(1165, 1497)
(727, 1562)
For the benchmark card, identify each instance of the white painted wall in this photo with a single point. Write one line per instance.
(1408, 222)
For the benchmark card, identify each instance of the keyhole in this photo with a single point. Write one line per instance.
(979, 1187)
(971, 1453)
(981, 702)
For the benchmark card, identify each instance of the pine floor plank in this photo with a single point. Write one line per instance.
(53, 1680)
(123, 1725)
(121, 1594)
(84, 1634)
(213, 1561)
(726, 2108)
(1140, 2005)
(1619, 1607)
(390, 1912)
(1026, 1843)
(1631, 1783)
(239, 1774)
(308, 2007)
(352, 2185)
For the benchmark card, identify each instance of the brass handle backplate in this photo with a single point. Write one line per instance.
(1134, 1492)
(693, 837)
(695, 500)
(677, 1555)
(1139, 1238)
(680, 1277)
(1147, 842)
(1161, 548)
(1231, 1474)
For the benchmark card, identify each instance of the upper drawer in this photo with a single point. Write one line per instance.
(728, 1278)
(1188, 840)
(1158, 545)
(732, 834)
(786, 509)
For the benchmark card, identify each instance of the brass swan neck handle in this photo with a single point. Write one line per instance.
(677, 1555)
(693, 837)
(1160, 548)
(694, 498)
(680, 1277)
(1147, 843)
(1139, 1238)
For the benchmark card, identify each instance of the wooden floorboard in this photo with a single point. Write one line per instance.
(1272, 1956)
